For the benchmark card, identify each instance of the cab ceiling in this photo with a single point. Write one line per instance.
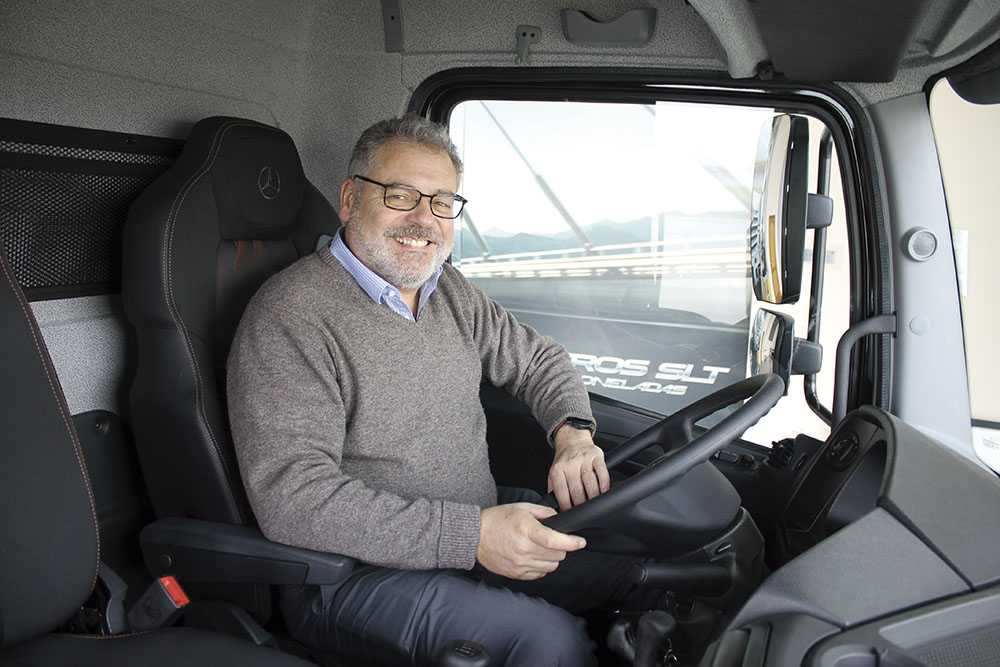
(321, 69)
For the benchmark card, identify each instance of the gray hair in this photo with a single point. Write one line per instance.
(410, 129)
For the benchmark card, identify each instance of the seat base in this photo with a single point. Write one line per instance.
(160, 648)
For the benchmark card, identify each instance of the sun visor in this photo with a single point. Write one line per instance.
(977, 80)
(848, 40)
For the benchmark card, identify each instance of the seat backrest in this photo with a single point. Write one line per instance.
(48, 524)
(233, 210)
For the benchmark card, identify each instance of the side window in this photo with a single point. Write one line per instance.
(622, 231)
(968, 139)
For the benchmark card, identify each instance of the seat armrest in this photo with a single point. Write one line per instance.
(199, 551)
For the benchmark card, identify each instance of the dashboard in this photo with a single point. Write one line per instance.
(892, 557)
(840, 485)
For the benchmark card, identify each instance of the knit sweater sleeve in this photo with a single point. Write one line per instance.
(533, 367)
(288, 425)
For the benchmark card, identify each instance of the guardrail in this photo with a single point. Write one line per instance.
(725, 255)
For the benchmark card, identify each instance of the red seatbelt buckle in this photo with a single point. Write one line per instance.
(161, 604)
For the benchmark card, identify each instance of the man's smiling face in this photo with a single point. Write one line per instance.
(404, 247)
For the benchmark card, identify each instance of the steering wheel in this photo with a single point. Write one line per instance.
(760, 392)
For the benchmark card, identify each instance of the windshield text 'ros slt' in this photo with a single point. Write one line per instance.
(615, 373)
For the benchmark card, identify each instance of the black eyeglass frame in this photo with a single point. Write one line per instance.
(462, 201)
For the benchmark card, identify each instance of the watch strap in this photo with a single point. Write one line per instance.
(577, 423)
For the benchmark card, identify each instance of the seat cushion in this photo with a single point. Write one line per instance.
(161, 648)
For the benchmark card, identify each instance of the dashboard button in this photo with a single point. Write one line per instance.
(726, 457)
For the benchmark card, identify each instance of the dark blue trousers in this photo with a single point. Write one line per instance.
(406, 617)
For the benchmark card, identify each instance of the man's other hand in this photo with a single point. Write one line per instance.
(578, 470)
(514, 544)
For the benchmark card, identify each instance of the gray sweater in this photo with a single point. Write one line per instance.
(361, 433)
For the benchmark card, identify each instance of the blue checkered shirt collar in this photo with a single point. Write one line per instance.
(375, 286)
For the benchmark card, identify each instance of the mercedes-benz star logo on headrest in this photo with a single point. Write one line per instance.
(269, 182)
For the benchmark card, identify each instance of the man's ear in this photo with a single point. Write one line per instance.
(347, 194)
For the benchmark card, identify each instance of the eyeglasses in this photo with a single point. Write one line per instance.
(405, 198)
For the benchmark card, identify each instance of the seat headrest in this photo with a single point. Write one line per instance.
(256, 175)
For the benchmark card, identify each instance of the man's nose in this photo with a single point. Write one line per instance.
(422, 213)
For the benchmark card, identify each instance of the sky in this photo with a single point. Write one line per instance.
(603, 161)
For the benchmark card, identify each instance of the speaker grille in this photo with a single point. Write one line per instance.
(921, 244)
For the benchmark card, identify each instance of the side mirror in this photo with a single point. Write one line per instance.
(771, 344)
(778, 209)
(774, 349)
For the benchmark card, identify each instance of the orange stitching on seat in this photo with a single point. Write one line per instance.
(241, 254)
(172, 305)
(257, 251)
(58, 395)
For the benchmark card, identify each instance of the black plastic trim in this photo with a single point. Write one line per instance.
(70, 291)
(205, 551)
(14, 160)
(79, 137)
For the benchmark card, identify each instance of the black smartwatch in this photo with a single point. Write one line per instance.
(577, 423)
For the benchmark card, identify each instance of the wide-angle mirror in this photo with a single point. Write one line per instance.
(771, 344)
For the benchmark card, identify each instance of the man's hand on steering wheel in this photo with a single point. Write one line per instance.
(513, 543)
(685, 449)
(578, 470)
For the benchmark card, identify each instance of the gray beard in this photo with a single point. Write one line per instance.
(376, 252)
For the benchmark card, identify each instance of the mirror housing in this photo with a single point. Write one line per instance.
(774, 349)
(779, 209)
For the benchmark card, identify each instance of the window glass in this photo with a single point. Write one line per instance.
(621, 231)
(968, 139)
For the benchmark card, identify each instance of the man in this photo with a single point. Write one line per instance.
(354, 400)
